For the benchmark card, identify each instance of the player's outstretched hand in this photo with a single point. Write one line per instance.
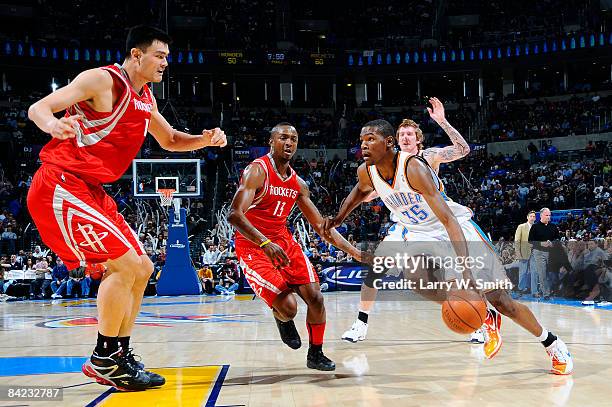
(328, 224)
(215, 137)
(436, 111)
(276, 254)
(65, 127)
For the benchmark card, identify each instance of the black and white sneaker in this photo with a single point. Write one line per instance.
(317, 360)
(288, 333)
(117, 371)
(135, 360)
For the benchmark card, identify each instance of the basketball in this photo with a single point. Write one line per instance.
(464, 311)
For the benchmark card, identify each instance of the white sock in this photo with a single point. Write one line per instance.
(544, 335)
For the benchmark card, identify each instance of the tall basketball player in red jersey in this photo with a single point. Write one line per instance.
(273, 262)
(109, 111)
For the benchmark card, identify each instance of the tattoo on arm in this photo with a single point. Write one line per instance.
(460, 147)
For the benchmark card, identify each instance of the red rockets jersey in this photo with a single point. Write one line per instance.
(272, 204)
(106, 142)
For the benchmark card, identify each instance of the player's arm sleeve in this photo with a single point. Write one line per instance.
(313, 216)
(252, 180)
(459, 149)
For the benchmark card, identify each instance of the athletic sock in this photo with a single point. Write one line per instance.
(315, 333)
(124, 342)
(363, 316)
(106, 345)
(546, 338)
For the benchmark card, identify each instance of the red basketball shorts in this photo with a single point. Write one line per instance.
(266, 280)
(78, 221)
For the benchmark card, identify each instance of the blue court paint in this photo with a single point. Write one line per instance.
(21, 366)
(214, 394)
(561, 301)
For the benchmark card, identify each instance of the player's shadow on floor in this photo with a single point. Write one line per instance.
(293, 378)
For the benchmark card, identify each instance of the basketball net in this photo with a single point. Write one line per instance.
(165, 196)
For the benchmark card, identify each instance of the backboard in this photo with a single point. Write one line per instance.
(150, 175)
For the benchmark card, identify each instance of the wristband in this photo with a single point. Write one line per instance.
(265, 242)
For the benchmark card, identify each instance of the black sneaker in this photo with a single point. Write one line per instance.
(116, 370)
(135, 360)
(289, 333)
(317, 360)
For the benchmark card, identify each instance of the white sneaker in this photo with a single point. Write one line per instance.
(55, 295)
(477, 337)
(562, 363)
(358, 332)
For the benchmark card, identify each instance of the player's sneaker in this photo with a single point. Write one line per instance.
(477, 337)
(117, 371)
(493, 338)
(358, 332)
(317, 360)
(288, 333)
(562, 363)
(135, 360)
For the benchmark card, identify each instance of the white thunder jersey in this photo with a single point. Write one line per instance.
(407, 205)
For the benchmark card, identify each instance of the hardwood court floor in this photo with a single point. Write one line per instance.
(226, 352)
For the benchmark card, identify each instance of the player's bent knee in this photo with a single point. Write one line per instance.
(285, 305)
(287, 309)
(146, 269)
(502, 302)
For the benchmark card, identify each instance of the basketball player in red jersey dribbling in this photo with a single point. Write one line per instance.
(273, 262)
(109, 111)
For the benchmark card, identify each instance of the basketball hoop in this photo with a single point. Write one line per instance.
(166, 195)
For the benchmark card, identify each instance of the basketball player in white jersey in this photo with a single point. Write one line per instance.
(410, 140)
(436, 226)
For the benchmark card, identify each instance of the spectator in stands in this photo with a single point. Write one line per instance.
(322, 277)
(522, 252)
(77, 279)
(211, 255)
(40, 283)
(15, 263)
(543, 236)
(93, 274)
(205, 275)
(228, 278)
(8, 239)
(38, 253)
(4, 266)
(21, 257)
(60, 278)
(224, 253)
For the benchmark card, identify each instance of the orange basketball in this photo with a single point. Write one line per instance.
(463, 311)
